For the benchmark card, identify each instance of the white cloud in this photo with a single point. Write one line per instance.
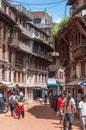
(57, 19)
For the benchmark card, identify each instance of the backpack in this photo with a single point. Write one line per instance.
(11, 99)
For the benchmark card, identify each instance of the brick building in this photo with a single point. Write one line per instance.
(24, 50)
(55, 70)
(72, 47)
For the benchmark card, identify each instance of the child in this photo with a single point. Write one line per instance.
(20, 108)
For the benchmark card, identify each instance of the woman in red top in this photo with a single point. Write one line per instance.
(59, 106)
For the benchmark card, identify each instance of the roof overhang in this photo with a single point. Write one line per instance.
(77, 83)
(76, 22)
(70, 2)
(43, 44)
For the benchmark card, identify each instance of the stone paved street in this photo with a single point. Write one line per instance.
(37, 117)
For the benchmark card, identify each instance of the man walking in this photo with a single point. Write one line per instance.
(69, 109)
(82, 107)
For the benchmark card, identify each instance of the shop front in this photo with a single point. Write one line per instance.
(76, 88)
(39, 92)
(53, 86)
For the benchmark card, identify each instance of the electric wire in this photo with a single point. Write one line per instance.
(42, 6)
(37, 4)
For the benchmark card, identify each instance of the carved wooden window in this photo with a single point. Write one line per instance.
(35, 46)
(85, 69)
(16, 19)
(10, 75)
(4, 33)
(19, 58)
(18, 76)
(35, 77)
(14, 76)
(22, 77)
(3, 51)
(3, 73)
(10, 56)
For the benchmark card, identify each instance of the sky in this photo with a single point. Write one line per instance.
(56, 8)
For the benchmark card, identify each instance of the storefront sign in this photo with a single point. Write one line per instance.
(78, 71)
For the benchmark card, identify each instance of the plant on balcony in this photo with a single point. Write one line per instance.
(56, 29)
(42, 40)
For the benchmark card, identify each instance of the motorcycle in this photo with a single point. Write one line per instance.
(4, 107)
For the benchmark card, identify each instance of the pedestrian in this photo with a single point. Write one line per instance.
(82, 107)
(68, 109)
(11, 101)
(72, 99)
(20, 108)
(59, 106)
(51, 99)
(45, 99)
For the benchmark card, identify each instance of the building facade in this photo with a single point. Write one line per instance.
(24, 50)
(55, 70)
(72, 48)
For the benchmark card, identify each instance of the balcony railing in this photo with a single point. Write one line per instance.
(12, 41)
(84, 42)
(24, 47)
(22, 9)
(77, 53)
(36, 36)
(25, 31)
(42, 55)
(50, 25)
(78, 11)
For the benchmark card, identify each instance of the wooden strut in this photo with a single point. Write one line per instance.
(67, 42)
(81, 28)
(2, 24)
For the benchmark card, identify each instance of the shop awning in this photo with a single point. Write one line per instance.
(77, 82)
(52, 83)
(83, 83)
(37, 88)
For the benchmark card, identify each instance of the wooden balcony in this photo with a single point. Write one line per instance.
(24, 11)
(12, 42)
(80, 50)
(77, 53)
(25, 31)
(24, 47)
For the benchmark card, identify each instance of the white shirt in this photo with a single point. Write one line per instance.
(82, 106)
(73, 101)
(11, 99)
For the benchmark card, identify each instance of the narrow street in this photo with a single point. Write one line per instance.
(37, 117)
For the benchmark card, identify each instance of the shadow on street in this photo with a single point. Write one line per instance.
(46, 112)
(43, 112)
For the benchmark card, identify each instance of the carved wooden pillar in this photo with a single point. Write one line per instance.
(83, 69)
(13, 58)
